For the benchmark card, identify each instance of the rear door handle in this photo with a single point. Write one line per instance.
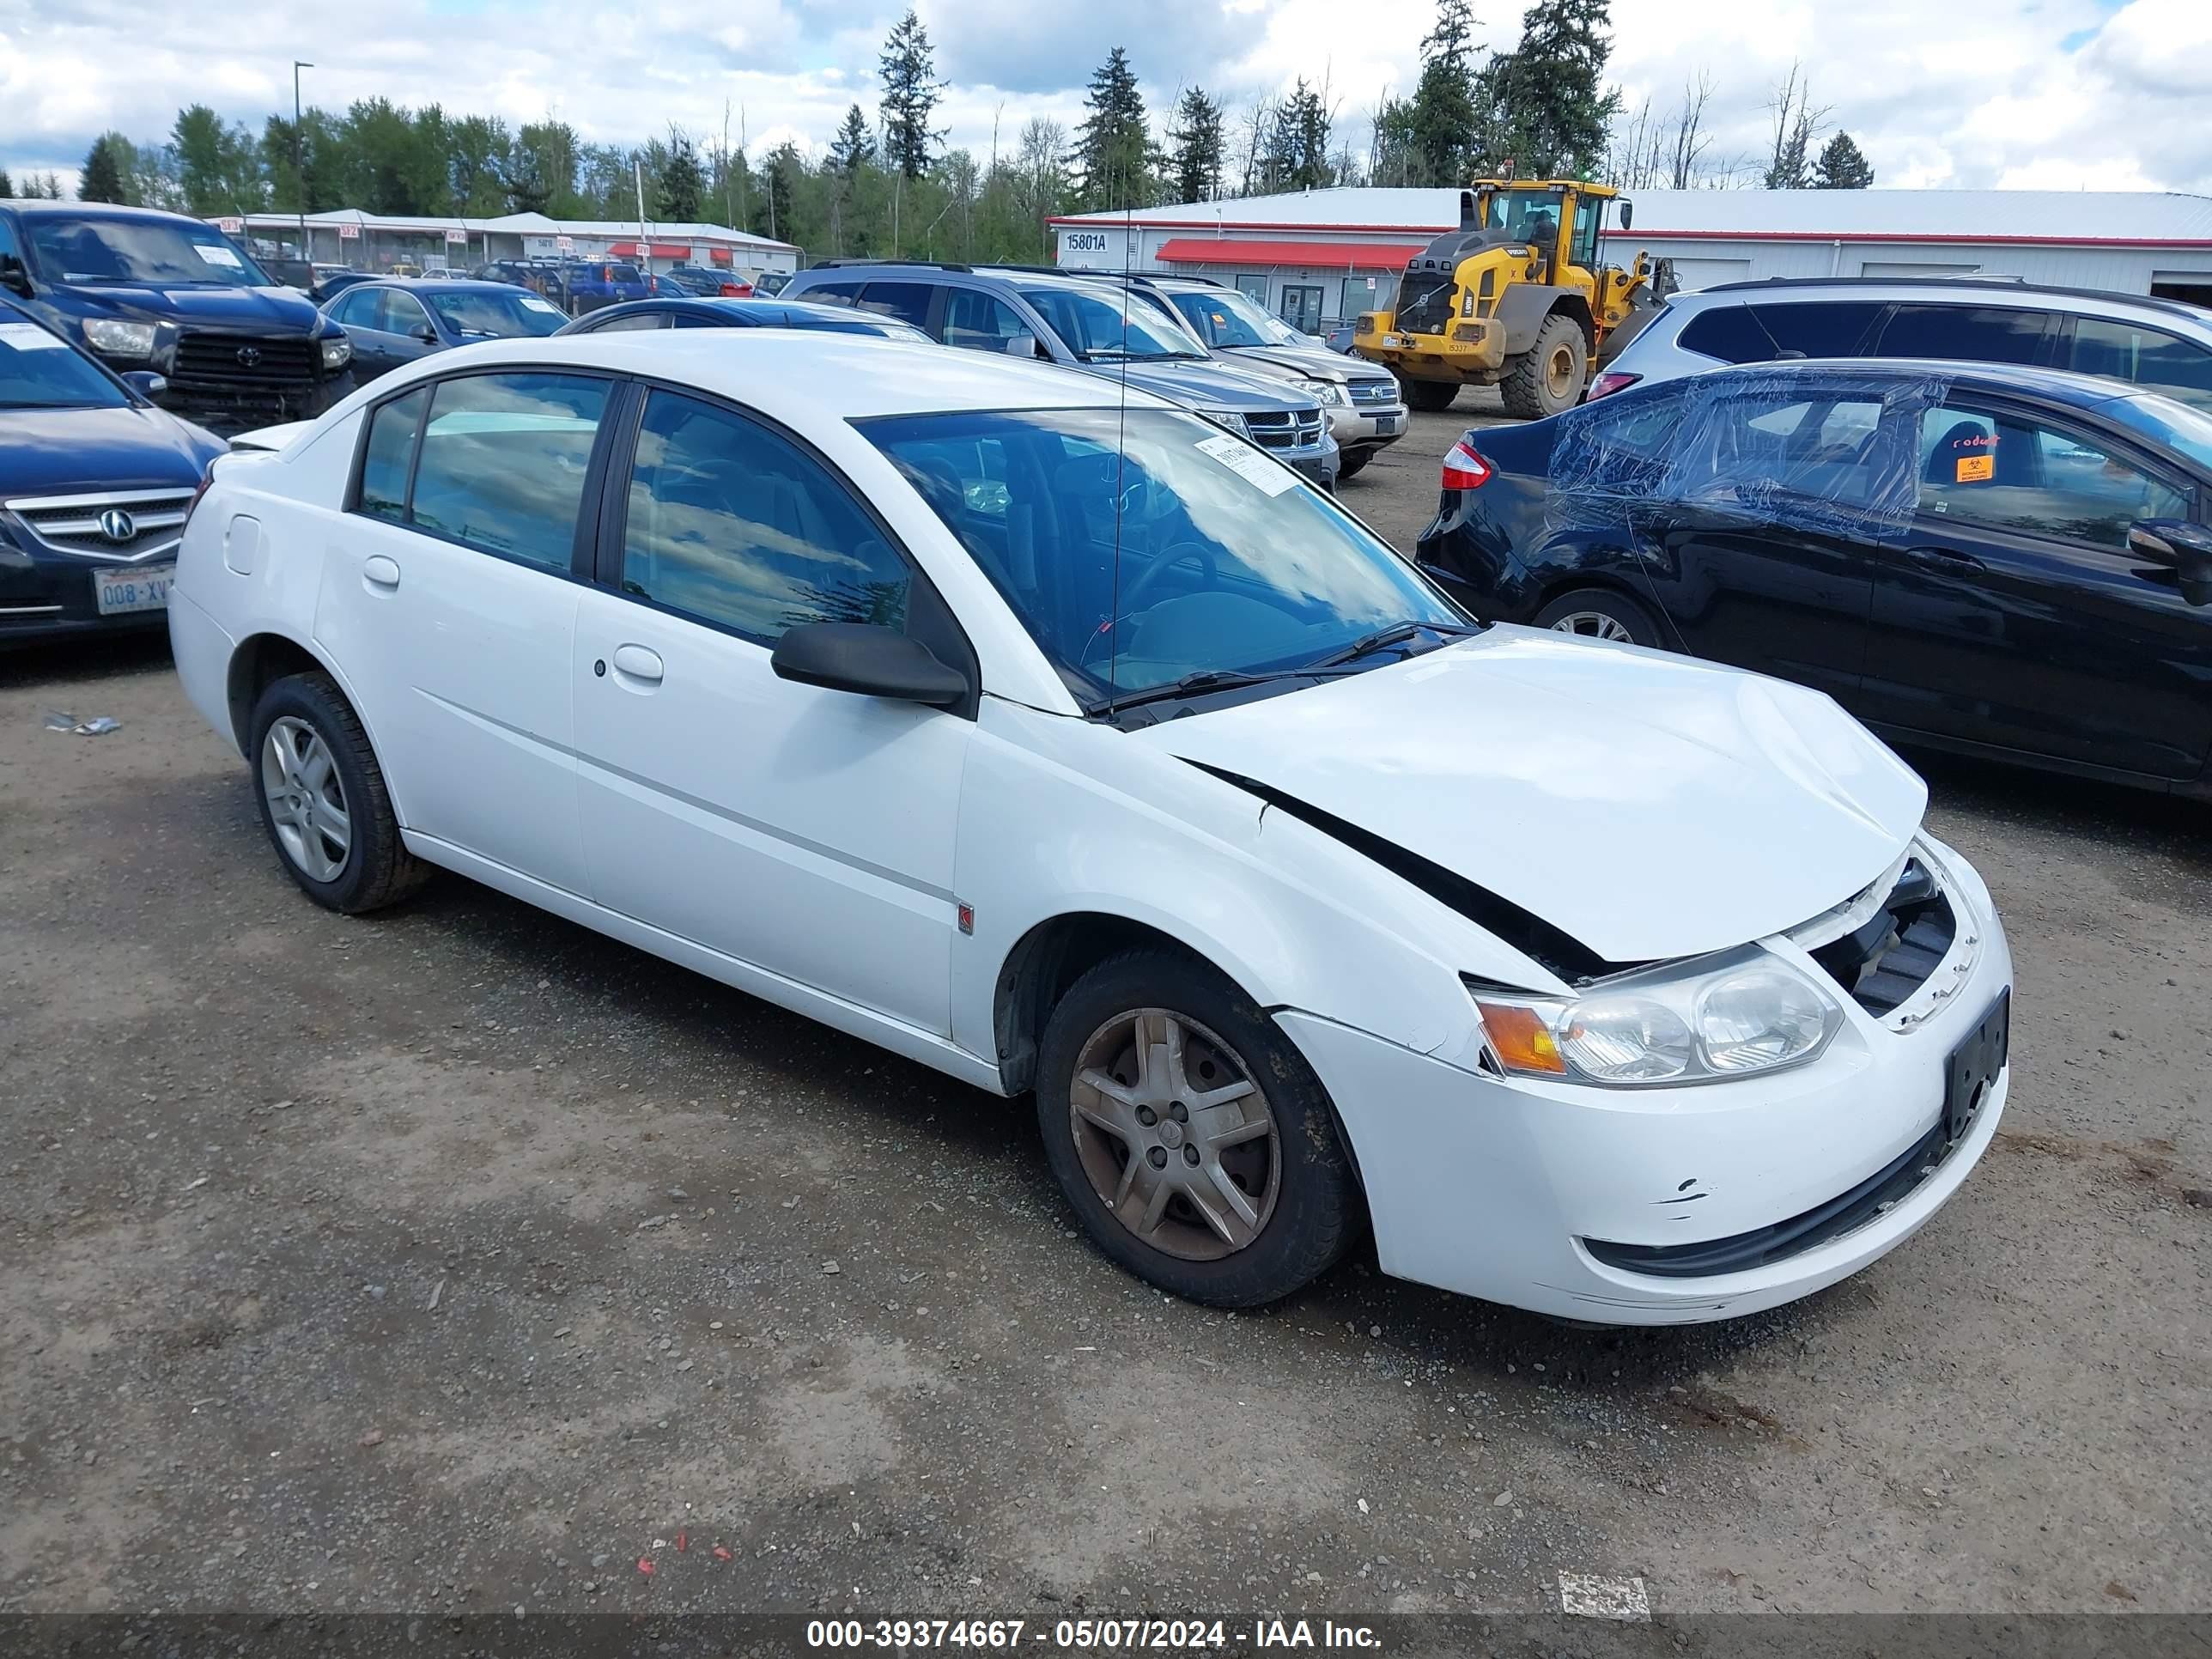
(1945, 558)
(637, 663)
(380, 572)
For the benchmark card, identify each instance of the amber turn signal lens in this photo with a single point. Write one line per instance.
(1519, 1035)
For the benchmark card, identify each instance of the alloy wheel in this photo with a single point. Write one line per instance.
(1594, 625)
(1175, 1135)
(306, 802)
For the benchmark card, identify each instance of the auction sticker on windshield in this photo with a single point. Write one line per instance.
(218, 255)
(29, 337)
(534, 303)
(120, 591)
(1249, 464)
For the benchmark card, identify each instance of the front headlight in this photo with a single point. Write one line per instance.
(1322, 391)
(1230, 419)
(112, 338)
(338, 353)
(1745, 1013)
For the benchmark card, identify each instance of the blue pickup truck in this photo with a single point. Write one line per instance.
(173, 296)
(587, 284)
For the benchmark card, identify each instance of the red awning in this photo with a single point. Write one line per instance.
(622, 250)
(720, 256)
(672, 249)
(1319, 256)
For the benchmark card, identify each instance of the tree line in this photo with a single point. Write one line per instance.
(886, 183)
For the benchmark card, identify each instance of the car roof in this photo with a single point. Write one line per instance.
(2057, 385)
(98, 210)
(438, 284)
(813, 376)
(1976, 290)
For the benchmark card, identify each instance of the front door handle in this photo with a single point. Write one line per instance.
(1945, 559)
(380, 573)
(639, 664)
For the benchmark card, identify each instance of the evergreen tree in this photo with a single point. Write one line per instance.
(683, 183)
(1113, 145)
(1194, 164)
(911, 93)
(103, 174)
(1842, 166)
(855, 146)
(1542, 106)
(1302, 123)
(773, 207)
(7, 187)
(1443, 107)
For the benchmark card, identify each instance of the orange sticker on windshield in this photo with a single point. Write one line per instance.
(1975, 469)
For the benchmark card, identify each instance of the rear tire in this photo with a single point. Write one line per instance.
(1237, 1200)
(323, 799)
(1550, 376)
(1431, 397)
(1598, 613)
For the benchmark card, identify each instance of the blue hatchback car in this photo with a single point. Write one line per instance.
(95, 483)
(742, 313)
(394, 320)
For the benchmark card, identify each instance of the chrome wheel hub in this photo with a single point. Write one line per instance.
(306, 803)
(1594, 625)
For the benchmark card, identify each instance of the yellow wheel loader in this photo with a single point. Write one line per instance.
(1515, 298)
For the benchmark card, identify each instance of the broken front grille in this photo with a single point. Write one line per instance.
(1887, 957)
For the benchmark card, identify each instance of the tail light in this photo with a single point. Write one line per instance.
(207, 477)
(1464, 469)
(1611, 380)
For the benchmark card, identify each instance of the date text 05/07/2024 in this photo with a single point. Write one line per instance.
(1089, 1635)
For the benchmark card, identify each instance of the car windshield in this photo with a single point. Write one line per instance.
(2175, 425)
(1532, 216)
(162, 253)
(495, 316)
(1102, 328)
(1228, 561)
(1226, 318)
(39, 370)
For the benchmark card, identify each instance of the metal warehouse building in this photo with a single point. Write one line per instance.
(376, 241)
(1321, 257)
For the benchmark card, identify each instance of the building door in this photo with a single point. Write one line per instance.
(1301, 306)
(1253, 287)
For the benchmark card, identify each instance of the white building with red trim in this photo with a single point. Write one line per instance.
(377, 242)
(1321, 257)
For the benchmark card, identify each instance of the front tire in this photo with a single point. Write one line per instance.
(1548, 377)
(1352, 465)
(323, 799)
(1431, 397)
(1195, 1144)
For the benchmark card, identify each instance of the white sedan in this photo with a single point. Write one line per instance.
(1066, 744)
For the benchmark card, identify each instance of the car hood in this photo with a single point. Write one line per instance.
(1202, 383)
(261, 310)
(65, 452)
(1648, 806)
(1315, 362)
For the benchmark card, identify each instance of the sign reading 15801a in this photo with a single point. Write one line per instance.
(1083, 241)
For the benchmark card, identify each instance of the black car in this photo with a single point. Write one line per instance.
(741, 313)
(394, 320)
(174, 296)
(2013, 562)
(95, 484)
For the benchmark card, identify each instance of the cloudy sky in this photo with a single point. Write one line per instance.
(2052, 93)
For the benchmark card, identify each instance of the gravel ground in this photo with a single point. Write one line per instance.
(459, 1258)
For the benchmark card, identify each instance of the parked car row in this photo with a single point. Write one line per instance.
(1300, 901)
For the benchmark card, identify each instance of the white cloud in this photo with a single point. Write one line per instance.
(2006, 91)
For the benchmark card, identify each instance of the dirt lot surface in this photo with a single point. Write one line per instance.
(459, 1258)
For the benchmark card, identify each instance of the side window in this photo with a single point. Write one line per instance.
(400, 314)
(636, 320)
(980, 321)
(388, 455)
(834, 293)
(1835, 329)
(1583, 249)
(2147, 357)
(1979, 334)
(8, 248)
(1730, 333)
(504, 458)
(1810, 444)
(736, 526)
(2007, 473)
(692, 319)
(907, 302)
(349, 312)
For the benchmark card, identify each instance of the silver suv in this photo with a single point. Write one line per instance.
(2165, 345)
(1366, 409)
(1082, 323)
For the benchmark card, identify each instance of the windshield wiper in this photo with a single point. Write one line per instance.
(1206, 679)
(1397, 633)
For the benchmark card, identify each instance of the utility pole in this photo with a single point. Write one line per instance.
(299, 159)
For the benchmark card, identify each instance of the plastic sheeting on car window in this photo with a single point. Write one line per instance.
(1832, 453)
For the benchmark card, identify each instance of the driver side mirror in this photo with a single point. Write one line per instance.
(2177, 543)
(1627, 215)
(425, 333)
(1023, 345)
(147, 384)
(14, 276)
(873, 661)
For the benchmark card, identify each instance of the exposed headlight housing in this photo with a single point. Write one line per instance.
(110, 336)
(1322, 391)
(337, 352)
(1228, 418)
(1742, 1014)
